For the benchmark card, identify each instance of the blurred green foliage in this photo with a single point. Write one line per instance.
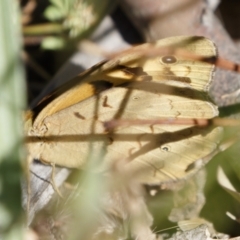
(12, 102)
(69, 21)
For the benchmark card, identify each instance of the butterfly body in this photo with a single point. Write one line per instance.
(68, 125)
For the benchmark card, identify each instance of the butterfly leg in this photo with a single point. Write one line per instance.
(53, 181)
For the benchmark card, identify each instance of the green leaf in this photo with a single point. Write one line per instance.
(12, 102)
(53, 43)
(60, 4)
(226, 184)
(52, 13)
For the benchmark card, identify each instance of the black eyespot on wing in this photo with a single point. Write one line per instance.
(165, 148)
(169, 59)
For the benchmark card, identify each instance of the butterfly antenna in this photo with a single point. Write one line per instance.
(165, 229)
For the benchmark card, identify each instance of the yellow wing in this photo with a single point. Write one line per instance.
(132, 87)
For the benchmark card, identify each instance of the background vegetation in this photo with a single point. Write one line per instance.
(39, 38)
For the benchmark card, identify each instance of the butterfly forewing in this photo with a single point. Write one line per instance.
(136, 65)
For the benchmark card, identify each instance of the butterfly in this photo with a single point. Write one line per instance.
(66, 128)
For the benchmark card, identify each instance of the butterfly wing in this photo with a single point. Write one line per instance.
(148, 88)
(136, 65)
(160, 153)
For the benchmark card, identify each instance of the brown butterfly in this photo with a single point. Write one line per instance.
(66, 128)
